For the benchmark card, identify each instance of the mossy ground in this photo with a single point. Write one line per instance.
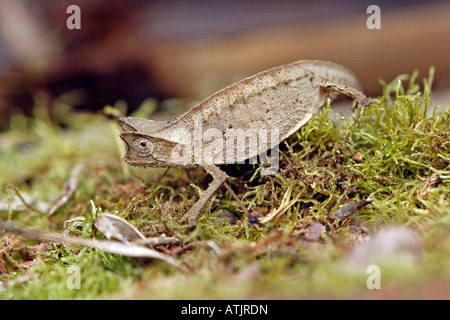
(388, 151)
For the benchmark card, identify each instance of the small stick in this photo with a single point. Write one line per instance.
(116, 247)
(12, 187)
(237, 200)
(68, 190)
(155, 241)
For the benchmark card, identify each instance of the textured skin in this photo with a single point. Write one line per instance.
(283, 98)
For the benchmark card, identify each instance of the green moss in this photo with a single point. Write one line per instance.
(100, 274)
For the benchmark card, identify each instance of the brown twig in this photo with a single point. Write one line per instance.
(235, 197)
(13, 188)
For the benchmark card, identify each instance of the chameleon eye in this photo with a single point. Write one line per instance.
(144, 147)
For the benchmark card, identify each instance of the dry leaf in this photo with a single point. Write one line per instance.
(114, 227)
(125, 249)
(351, 208)
(284, 206)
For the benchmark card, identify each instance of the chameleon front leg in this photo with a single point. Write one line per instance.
(357, 96)
(219, 178)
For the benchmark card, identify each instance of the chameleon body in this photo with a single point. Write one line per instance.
(280, 99)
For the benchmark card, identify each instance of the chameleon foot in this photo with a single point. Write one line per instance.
(357, 96)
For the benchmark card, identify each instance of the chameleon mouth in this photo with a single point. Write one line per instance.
(134, 163)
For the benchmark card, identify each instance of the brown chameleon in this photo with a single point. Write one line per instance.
(238, 123)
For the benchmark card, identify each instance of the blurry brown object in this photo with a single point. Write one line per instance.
(133, 50)
(412, 36)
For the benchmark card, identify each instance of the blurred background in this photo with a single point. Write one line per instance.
(133, 50)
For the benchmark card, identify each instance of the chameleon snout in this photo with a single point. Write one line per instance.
(126, 126)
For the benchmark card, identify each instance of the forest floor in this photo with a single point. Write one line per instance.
(396, 152)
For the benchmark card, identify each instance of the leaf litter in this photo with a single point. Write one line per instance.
(117, 247)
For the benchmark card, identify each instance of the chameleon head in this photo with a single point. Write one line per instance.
(144, 125)
(144, 149)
